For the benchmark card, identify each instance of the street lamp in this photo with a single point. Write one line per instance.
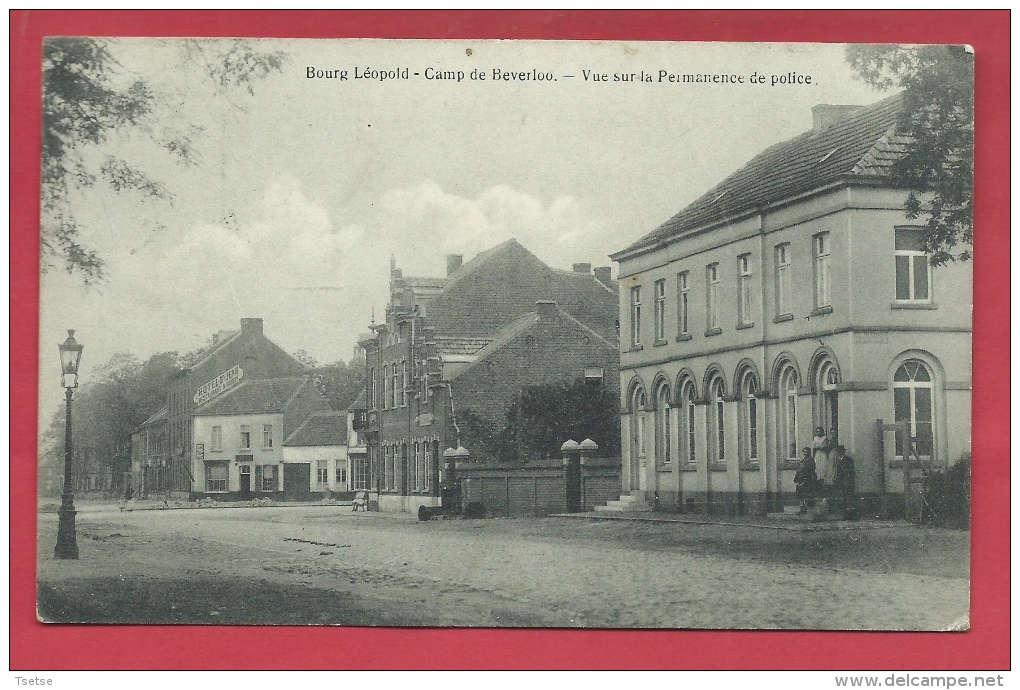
(67, 544)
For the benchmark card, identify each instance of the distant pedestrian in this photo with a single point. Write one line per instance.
(129, 492)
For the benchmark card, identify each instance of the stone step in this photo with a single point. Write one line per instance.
(624, 507)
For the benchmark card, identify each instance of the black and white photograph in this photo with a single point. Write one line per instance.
(505, 334)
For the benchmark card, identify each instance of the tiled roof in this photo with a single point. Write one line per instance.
(454, 347)
(359, 402)
(860, 146)
(222, 338)
(420, 282)
(503, 336)
(502, 283)
(321, 429)
(255, 396)
(159, 416)
(520, 326)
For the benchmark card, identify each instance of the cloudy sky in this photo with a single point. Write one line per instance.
(304, 190)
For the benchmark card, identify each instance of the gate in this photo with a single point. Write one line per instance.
(916, 470)
(297, 480)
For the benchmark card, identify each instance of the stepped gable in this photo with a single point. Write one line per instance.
(255, 397)
(320, 429)
(859, 147)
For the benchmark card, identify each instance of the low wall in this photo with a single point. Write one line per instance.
(538, 488)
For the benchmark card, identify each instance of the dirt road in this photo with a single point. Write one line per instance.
(325, 565)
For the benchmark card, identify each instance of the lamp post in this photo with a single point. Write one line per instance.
(67, 544)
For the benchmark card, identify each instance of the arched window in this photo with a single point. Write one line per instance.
(912, 400)
(749, 416)
(637, 422)
(716, 421)
(687, 435)
(827, 397)
(663, 432)
(788, 414)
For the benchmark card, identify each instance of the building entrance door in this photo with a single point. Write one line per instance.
(245, 482)
(830, 403)
(297, 480)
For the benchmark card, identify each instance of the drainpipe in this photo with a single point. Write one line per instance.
(769, 442)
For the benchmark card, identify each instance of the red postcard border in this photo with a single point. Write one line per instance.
(35, 646)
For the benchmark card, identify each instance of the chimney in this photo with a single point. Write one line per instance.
(251, 326)
(604, 274)
(546, 308)
(453, 262)
(582, 268)
(824, 116)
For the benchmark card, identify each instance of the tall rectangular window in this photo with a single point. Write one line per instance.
(913, 271)
(783, 280)
(385, 387)
(269, 477)
(217, 438)
(389, 455)
(394, 385)
(682, 295)
(428, 465)
(245, 436)
(403, 383)
(322, 474)
(712, 296)
(635, 316)
(267, 435)
(744, 290)
(372, 392)
(821, 250)
(660, 310)
(216, 476)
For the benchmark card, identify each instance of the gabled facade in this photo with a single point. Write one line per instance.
(502, 321)
(150, 469)
(321, 443)
(793, 295)
(239, 440)
(235, 356)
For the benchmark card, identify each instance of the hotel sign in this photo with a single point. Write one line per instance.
(226, 380)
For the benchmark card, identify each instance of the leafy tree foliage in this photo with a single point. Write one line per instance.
(541, 418)
(125, 393)
(88, 96)
(340, 382)
(938, 123)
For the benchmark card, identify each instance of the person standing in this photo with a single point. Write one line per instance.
(844, 481)
(820, 450)
(806, 480)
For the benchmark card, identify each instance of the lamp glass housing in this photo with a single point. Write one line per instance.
(70, 356)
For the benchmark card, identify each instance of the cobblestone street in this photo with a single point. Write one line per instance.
(326, 565)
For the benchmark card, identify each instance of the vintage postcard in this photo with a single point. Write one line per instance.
(530, 334)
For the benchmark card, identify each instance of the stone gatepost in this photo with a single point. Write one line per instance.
(587, 449)
(572, 475)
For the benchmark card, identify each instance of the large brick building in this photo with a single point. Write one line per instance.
(163, 447)
(793, 295)
(470, 342)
